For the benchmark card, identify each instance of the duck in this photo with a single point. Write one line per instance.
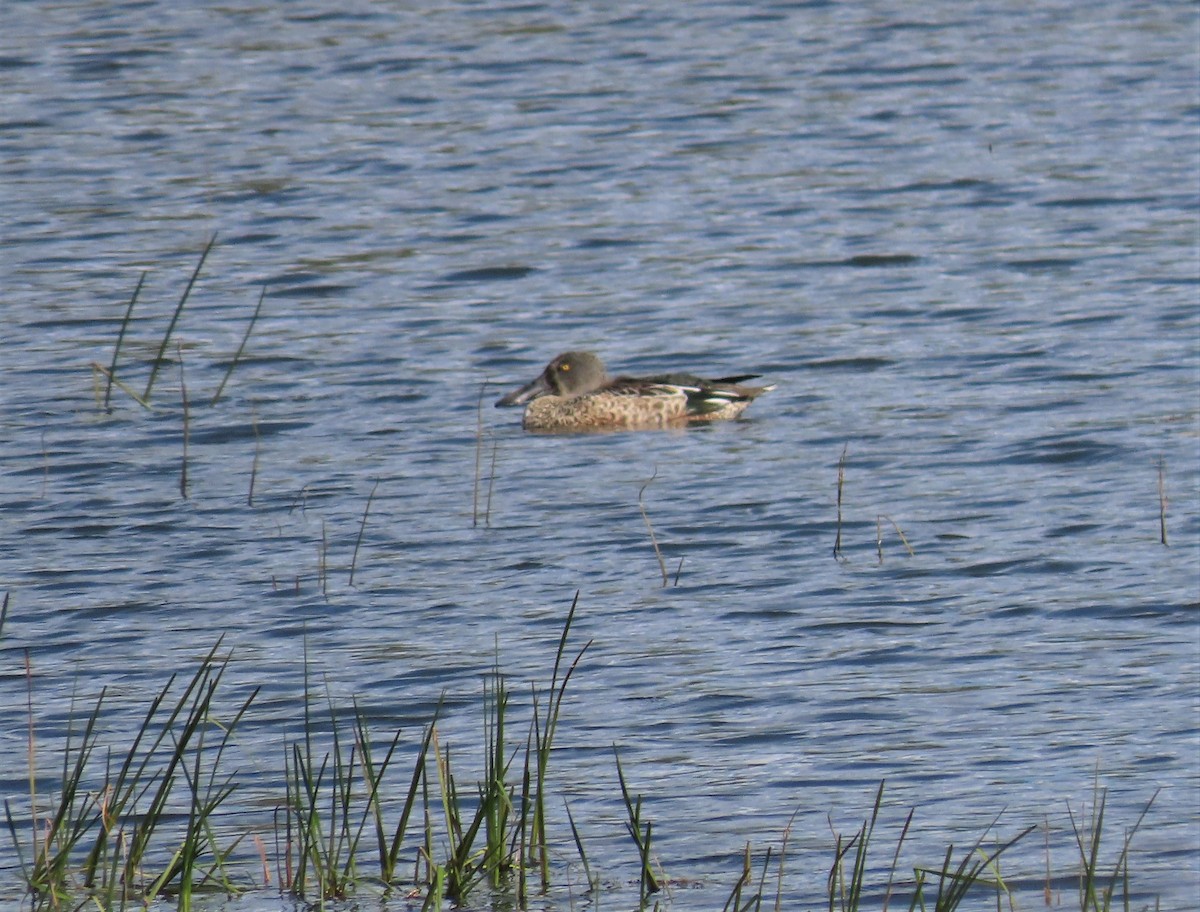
(576, 393)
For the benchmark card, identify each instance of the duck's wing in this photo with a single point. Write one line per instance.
(703, 396)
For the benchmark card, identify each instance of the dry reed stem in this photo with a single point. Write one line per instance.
(662, 564)
(262, 855)
(361, 529)
(879, 517)
(136, 397)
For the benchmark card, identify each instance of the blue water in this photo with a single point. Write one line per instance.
(962, 240)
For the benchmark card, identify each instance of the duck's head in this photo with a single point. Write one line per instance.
(571, 374)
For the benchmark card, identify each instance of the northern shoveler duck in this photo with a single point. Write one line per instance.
(575, 393)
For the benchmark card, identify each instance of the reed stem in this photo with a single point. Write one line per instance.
(166, 340)
(361, 529)
(841, 481)
(238, 354)
(662, 564)
(112, 370)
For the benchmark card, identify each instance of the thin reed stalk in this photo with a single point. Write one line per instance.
(183, 395)
(389, 849)
(648, 884)
(543, 740)
(254, 463)
(879, 518)
(592, 881)
(166, 340)
(1162, 504)
(734, 902)
(99, 369)
(1096, 894)
(845, 893)
(662, 564)
(478, 455)
(362, 528)
(487, 507)
(495, 795)
(841, 483)
(322, 562)
(237, 356)
(112, 368)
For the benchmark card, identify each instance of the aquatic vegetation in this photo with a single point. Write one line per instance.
(127, 825)
(122, 836)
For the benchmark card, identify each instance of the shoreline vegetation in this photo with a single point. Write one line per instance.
(126, 825)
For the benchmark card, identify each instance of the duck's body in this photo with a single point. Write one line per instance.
(575, 393)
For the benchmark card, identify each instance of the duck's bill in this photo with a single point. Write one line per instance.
(538, 387)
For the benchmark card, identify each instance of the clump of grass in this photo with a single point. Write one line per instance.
(143, 398)
(754, 902)
(1096, 893)
(113, 834)
(648, 882)
(954, 881)
(953, 884)
(845, 890)
(116, 842)
(467, 838)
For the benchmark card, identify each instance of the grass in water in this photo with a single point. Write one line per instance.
(648, 883)
(237, 356)
(127, 826)
(166, 339)
(1096, 892)
(841, 483)
(187, 432)
(362, 528)
(122, 841)
(112, 368)
(662, 564)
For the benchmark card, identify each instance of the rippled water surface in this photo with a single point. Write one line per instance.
(961, 239)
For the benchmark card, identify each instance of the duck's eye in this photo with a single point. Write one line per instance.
(564, 367)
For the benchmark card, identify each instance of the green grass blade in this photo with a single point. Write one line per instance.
(241, 348)
(166, 340)
(112, 369)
